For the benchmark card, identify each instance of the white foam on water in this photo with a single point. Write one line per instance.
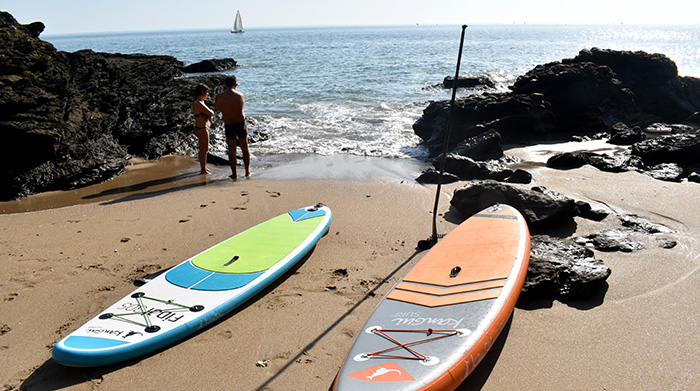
(381, 130)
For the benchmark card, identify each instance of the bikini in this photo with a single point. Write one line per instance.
(198, 128)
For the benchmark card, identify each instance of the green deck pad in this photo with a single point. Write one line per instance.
(258, 248)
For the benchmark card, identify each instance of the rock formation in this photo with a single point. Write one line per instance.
(214, 65)
(74, 119)
(585, 95)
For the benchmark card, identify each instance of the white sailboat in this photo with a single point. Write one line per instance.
(237, 24)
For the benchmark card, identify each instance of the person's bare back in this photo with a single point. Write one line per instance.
(230, 103)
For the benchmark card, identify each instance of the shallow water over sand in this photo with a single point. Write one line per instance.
(146, 179)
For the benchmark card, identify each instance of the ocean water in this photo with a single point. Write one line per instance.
(358, 90)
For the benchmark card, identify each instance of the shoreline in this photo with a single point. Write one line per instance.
(63, 266)
(144, 178)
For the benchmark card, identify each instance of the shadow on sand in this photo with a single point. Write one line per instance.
(167, 185)
(53, 376)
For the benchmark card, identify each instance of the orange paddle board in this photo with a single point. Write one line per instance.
(441, 318)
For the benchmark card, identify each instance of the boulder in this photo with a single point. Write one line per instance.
(641, 224)
(694, 119)
(669, 172)
(681, 148)
(562, 269)
(585, 97)
(637, 234)
(479, 82)
(616, 163)
(466, 168)
(540, 207)
(432, 175)
(621, 134)
(515, 117)
(214, 65)
(659, 92)
(519, 176)
(612, 240)
(569, 160)
(603, 162)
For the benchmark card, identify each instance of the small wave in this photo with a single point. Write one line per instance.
(383, 130)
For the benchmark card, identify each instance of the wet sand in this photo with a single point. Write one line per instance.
(63, 265)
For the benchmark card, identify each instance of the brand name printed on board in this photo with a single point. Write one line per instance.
(116, 333)
(101, 331)
(165, 316)
(472, 361)
(415, 319)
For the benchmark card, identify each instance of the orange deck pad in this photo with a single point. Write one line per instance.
(442, 291)
(437, 301)
(484, 248)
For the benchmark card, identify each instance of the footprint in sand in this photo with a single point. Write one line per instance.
(273, 193)
(348, 333)
(339, 273)
(10, 297)
(243, 194)
(227, 334)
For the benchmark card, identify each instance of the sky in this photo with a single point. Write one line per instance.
(87, 16)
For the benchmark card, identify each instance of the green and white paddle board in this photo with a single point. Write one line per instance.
(197, 292)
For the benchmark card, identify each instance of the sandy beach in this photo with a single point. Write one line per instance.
(63, 265)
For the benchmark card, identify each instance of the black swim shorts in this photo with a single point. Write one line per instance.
(236, 130)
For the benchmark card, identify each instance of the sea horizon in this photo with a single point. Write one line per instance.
(360, 26)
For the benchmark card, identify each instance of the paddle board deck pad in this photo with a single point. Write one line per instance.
(197, 292)
(438, 322)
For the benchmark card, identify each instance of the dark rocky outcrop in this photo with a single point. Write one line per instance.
(612, 240)
(74, 119)
(214, 65)
(479, 82)
(682, 148)
(432, 175)
(670, 157)
(636, 234)
(562, 269)
(585, 95)
(484, 146)
(475, 158)
(640, 224)
(622, 134)
(615, 163)
(541, 207)
(466, 168)
(527, 117)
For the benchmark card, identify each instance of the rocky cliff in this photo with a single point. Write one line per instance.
(74, 119)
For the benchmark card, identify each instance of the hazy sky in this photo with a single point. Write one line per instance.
(77, 16)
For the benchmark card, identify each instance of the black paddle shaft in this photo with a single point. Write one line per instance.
(434, 238)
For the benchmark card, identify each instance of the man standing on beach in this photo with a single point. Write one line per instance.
(230, 103)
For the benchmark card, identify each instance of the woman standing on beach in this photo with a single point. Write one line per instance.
(202, 120)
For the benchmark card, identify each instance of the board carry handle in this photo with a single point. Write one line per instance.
(234, 259)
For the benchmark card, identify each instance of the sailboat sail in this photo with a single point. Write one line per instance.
(238, 24)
